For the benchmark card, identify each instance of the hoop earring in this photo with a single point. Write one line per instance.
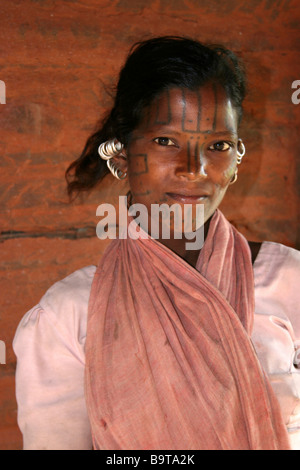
(235, 177)
(239, 159)
(109, 149)
(242, 153)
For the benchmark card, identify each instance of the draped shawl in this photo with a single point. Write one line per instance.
(169, 360)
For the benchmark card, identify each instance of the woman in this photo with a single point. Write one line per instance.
(152, 349)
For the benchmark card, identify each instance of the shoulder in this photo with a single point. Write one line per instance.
(276, 261)
(61, 312)
(66, 302)
(276, 277)
(70, 292)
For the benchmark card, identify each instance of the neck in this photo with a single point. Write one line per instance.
(178, 246)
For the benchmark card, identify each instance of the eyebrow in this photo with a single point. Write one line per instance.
(228, 131)
(169, 130)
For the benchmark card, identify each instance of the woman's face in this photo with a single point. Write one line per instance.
(184, 149)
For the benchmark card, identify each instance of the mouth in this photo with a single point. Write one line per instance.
(188, 198)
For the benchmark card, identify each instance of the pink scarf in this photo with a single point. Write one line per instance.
(169, 362)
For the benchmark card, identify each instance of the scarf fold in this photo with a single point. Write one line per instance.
(169, 360)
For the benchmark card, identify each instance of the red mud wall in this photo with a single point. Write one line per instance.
(57, 59)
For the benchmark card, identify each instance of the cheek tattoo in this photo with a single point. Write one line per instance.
(141, 164)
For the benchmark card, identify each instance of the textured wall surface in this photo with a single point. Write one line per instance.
(57, 60)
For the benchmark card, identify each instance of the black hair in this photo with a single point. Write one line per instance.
(153, 66)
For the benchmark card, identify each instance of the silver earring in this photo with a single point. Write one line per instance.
(116, 172)
(235, 177)
(241, 153)
(239, 158)
(109, 149)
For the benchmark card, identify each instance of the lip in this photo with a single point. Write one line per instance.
(188, 198)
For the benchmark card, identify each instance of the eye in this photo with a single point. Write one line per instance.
(221, 146)
(164, 141)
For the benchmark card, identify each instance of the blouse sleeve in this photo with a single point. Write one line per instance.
(49, 345)
(276, 332)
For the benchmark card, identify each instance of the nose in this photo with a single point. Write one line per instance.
(192, 165)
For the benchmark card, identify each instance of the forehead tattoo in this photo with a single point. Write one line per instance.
(197, 124)
(163, 117)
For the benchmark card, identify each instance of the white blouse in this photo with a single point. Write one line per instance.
(50, 340)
